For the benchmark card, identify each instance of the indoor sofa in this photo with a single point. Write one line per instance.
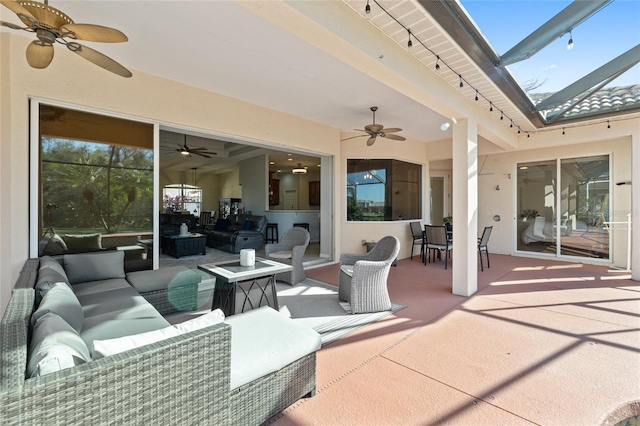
(210, 370)
(237, 232)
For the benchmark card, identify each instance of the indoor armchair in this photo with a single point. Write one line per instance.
(363, 277)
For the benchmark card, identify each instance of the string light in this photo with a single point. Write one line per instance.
(511, 126)
(608, 125)
(438, 59)
(570, 44)
(563, 130)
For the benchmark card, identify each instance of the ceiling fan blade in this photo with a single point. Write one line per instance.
(371, 140)
(99, 59)
(17, 8)
(393, 130)
(353, 137)
(12, 26)
(373, 128)
(39, 54)
(201, 154)
(90, 32)
(394, 137)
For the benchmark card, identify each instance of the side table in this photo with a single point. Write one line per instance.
(243, 288)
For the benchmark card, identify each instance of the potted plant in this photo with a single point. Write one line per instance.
(448, 223)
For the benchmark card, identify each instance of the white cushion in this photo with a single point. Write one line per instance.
(281, 255)
(264, 341)
(55, 345)
(102, 348)
(213, 317)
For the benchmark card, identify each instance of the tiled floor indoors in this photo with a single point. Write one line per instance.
(542, 342)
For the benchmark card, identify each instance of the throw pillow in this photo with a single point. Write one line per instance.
(50, 272)
(102, 348)
(211, 318)
(55, 246)
(247, 225)
(61, 300)
(55, 345)
(221, 225)
(82, 243)
(94, 266)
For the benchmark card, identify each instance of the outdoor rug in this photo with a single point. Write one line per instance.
(315, 304)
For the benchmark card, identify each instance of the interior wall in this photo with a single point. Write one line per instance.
(253, 175)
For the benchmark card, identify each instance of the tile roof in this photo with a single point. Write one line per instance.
(606, 100)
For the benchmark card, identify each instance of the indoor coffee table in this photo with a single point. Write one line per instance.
(242, 288)
(184, 245)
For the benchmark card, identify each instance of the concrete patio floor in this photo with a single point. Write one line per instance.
(542, 342)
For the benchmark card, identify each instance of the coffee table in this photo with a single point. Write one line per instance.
(184, 245)
(242, 288)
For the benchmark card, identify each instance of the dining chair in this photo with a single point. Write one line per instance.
(482, 245)
(417, 233)
(437, 242)
(290, 250)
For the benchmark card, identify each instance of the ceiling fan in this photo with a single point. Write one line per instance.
(187, 151)
(374, 130)
(51, 25)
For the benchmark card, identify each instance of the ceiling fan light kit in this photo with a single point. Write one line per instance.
(299, 170)
(374, 130)
(51, 25)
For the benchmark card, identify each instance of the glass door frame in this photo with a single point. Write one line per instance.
(558, 208)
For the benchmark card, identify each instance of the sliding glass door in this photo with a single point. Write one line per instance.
(563, 207)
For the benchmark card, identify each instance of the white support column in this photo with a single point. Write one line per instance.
(465, 207)
(635, 206)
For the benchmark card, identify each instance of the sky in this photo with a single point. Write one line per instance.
(605, 35)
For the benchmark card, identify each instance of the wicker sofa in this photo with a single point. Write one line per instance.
(185, 379)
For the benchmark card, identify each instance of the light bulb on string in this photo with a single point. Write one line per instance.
(437, 63)
(570, 44)
(367, 8)
(409, 43)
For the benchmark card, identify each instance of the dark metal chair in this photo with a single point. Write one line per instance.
(437, 242)
(482, 245)
(417, 233)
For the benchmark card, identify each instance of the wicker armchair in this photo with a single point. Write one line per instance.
(290, 250)
(363, 277)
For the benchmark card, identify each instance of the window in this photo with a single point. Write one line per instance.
(93, 181)
(182, 197)
(383, 190)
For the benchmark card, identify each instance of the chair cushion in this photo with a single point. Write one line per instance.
(61, 301)
(102, 348)
(264, 341)
(50, 272)
(281, 254)
(94, 266)
(162, 279)
(55, 345)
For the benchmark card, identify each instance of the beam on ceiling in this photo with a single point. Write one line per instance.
(567, 19)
